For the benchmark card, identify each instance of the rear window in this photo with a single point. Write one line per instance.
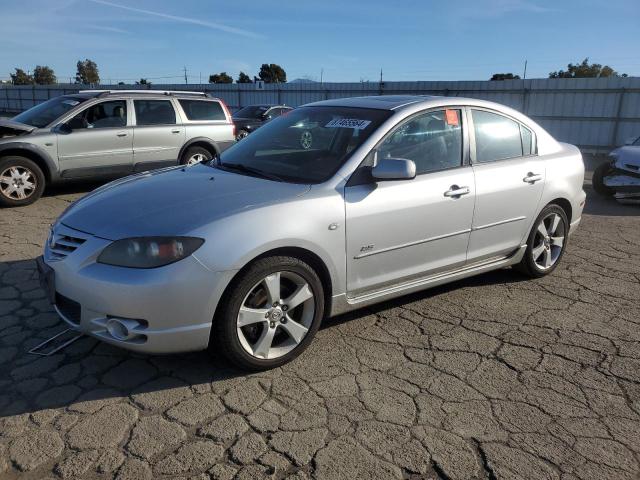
(154, 112)
(202, 110)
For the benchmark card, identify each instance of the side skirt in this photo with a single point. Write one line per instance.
(343, 303)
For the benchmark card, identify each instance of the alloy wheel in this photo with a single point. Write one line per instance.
(17, 183)
(275, 316)
(196, 158)
(549, 241)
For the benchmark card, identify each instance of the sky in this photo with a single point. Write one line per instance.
(340, 40)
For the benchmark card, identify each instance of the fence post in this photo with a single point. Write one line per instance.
(616, 120)
(239, 96)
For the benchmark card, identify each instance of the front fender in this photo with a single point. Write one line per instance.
(303, 222)
(46, 161)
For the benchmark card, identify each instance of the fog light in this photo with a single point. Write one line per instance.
(121, 329)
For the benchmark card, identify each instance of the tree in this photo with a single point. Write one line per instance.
(505, 76)
(143, 81)
(87, 72)
(244, 78)
(21, 77)
(272, 73)
(586, 70)
(43, 75)
(221, 77)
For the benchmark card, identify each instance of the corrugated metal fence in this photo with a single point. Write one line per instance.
(594, 113)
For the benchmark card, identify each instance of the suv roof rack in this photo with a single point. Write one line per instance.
(147, 92)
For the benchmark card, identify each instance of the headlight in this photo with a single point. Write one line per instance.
(149, 252)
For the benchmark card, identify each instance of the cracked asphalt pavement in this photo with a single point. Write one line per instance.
(495, 377)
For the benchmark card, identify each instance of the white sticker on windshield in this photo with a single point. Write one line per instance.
(73, 103)
(354, 123)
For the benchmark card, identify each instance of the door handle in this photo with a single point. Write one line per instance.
(455, 191)
(532, 178)
(121, 134)
(175, 131)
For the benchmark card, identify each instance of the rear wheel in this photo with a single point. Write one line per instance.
(195, 155)
(546, 243)
(21, 181)
(270, 314)
(597, 181)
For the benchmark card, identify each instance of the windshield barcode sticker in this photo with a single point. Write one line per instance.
(354, 123)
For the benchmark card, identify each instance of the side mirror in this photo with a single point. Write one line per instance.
(394, 169)
(64, 129)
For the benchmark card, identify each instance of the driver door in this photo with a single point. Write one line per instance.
(100, 142)
(403, 230)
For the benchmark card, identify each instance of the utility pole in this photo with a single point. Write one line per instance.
(185, 75)
(524, 75)
(381, 75)
(321, 74)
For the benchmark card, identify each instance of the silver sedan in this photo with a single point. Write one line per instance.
(337, 205)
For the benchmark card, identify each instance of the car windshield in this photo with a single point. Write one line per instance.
(252, 111)
(308, 145)
(43, 114)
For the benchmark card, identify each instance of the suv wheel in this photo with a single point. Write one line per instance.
(195, 155)
(546, 244)
(270, 315)
(21, 181)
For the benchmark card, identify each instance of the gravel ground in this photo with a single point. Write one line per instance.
(495, 377)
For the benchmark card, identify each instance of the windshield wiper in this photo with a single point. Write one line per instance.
(240, 167)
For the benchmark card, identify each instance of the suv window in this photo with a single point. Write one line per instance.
(202, 110)
(111, 114)
(432, 140)
(154, 112)
(43, 114)
(497, 137)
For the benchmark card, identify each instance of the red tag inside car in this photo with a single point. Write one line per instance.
(452, 117)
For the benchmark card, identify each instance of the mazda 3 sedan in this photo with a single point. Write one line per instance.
(246, 254)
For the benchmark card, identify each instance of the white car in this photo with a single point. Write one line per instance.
(620, 176)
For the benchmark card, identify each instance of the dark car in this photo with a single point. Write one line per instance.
(253, 117)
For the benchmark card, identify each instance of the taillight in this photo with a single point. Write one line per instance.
(226, 109)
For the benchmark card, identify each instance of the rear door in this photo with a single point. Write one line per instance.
(509, 182)
(100, 142)
(402, 230)
(158, 134)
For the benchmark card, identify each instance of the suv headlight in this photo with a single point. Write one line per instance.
(149, 252)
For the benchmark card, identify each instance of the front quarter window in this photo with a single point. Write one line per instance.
(308, 145)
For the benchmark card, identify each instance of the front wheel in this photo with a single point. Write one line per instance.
(597, 180)
(270, 314)
(546, 243)
(21, 181)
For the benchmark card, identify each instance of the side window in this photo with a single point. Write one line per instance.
(112, 114)
(528, 148)
(497, 137)
(154, 112)
(202, 109)
(432, 140)
(274, 113)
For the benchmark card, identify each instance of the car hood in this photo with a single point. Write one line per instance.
(173, 201)
(9, 128)
(627, 158)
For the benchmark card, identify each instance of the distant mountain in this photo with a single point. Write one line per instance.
(303, 80)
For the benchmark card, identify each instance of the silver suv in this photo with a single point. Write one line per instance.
(105, 134)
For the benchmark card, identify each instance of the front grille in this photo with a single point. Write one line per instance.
(64, 241)
(70, 309)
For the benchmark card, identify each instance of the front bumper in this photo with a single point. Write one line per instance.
(170, 308)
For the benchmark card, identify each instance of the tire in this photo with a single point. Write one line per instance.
(241, 134)
(194, 155)
(543, 256)
(263, 323)
(20, 172)
(597, 181)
